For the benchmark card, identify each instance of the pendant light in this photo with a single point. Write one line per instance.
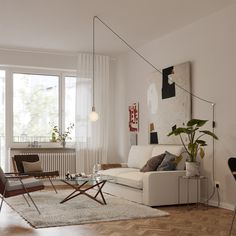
(93, 115)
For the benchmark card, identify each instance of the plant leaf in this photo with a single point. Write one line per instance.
(192, 147)
(178, 159)
(196, 122)
(179, 131)
(202, 153)
(201, 142)
(207, 132)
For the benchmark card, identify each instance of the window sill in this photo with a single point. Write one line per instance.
(46, 145)
(42, 149)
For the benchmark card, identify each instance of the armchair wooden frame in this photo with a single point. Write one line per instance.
(18, 167)
(20, 189)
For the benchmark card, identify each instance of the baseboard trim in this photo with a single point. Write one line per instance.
(224, 205)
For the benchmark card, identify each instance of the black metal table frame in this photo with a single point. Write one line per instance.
(82, 189)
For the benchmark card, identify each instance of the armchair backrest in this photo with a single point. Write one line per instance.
(3, 181)
(18, 159)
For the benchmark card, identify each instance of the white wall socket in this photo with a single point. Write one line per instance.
(217, 183)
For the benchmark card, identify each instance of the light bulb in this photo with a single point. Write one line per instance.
(93, 116)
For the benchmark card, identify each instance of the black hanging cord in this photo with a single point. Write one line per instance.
(213, 158)
(190, 93)
(93, 57)
(139, 54)
(213, 140)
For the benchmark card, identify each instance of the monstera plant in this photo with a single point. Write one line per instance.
(195, 136)
(194, 144)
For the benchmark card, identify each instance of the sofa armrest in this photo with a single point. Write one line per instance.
(111, 165)
(161, 187)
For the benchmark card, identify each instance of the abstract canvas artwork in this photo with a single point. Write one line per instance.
(168, 104)
(133, 117)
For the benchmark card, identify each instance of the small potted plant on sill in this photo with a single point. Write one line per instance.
(195, 143)
(57, 135)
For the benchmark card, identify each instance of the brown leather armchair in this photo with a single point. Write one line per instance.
(13, 184)
(18, 164)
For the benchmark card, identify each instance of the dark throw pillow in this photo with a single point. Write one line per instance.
(153, 163)
(168, 163)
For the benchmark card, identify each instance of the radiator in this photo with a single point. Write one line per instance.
(61, 161)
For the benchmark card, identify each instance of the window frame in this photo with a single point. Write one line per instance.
(10, 70)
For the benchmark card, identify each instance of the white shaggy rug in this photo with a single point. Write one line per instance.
(79, 210)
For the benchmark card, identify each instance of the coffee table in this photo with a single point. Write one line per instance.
(81, 185)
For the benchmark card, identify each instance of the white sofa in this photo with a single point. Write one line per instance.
(153, 188)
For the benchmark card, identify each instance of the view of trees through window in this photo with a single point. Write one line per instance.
(35, 106)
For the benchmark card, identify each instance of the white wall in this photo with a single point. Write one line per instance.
(209, 45)
(38, 59)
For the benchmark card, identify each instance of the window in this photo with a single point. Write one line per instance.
(32, 100)
(36, 100)
(70, 99)
(35, 106)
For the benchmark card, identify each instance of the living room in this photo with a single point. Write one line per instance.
(46, 37)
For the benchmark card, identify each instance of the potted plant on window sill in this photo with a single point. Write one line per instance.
(195, 143)
(57, 135)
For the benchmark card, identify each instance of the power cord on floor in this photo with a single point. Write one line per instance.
(215, 190)
(213, 193)
(218, 194)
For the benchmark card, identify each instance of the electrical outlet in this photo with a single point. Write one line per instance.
(217, 184)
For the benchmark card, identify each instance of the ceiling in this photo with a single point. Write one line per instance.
(66, 25)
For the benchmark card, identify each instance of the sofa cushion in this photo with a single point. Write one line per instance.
(168, 162)
(126, 176)
(132, 179)
(114, 172)
(139, 155)
(161, 148)
(153, 163)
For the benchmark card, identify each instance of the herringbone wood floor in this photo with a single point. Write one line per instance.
(182, 221)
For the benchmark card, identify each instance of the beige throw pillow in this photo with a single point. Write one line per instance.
(153, 163)
(32, 166)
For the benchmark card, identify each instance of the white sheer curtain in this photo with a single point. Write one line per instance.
(91, 137)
